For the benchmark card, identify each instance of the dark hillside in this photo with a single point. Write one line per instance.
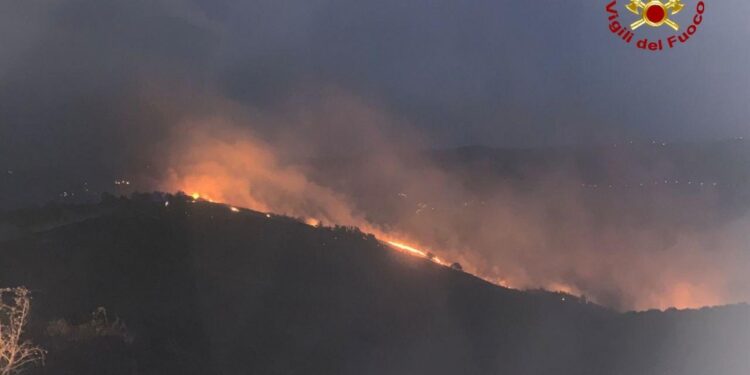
(203, 289)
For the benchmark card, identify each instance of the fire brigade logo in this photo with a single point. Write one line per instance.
(656, 13)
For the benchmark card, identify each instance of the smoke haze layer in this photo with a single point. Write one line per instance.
(639, 247)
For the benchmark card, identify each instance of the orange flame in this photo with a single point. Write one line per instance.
(248, 174)
(411, 250)
(407, 248)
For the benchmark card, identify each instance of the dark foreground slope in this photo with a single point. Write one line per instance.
(204, 290)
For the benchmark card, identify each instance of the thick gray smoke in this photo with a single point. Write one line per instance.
(650, 248)
(325, 110)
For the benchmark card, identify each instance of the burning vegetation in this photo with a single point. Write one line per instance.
(559, 235)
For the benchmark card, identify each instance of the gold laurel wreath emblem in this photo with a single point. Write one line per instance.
(655, 13)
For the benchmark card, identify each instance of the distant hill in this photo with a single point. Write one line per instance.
(205, 290)
(681, 177)
(626, 165)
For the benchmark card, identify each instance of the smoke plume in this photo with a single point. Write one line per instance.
(629, 251)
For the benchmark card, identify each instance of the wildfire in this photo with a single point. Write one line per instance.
(217, 162)
(564, 288)
(416, 252)
(397, 243)
(197, 196)
(407, 248)
(400, 245)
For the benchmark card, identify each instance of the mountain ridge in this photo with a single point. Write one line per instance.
(205, 289)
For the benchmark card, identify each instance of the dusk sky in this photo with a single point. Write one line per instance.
(499, 73)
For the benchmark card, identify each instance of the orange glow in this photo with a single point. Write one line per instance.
(397, 245)
(503, 283)
(411, 250)
(684, 295)
(681, 295)
(245, 172)
(563, 288)
(408, 249)
(196, 196)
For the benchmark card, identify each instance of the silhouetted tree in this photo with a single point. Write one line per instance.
(15, 353)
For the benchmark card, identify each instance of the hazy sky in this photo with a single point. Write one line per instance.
(505, 73)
